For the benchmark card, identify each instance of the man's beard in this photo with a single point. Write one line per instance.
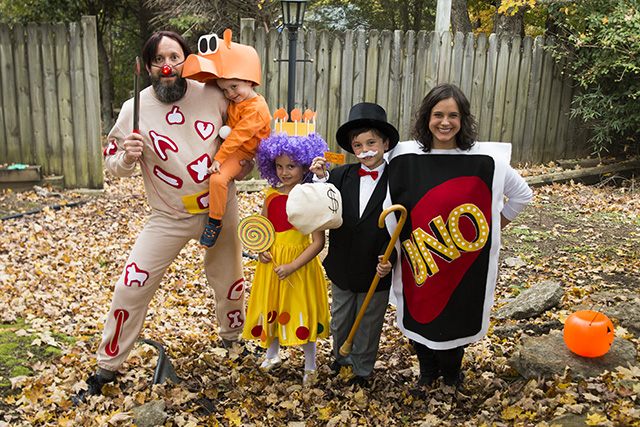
(169, 93)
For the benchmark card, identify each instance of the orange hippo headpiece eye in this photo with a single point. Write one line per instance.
(223, 60)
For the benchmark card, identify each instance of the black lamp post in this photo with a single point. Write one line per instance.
(292, 17)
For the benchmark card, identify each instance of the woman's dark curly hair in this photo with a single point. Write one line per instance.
(467, 135)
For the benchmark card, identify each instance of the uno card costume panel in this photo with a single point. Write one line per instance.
(446, 279)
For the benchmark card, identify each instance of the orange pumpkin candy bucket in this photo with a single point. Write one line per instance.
(588, 333)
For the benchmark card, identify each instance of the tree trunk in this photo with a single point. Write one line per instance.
(145, 15)
(106, 84)
(460, 21)
(509, 23)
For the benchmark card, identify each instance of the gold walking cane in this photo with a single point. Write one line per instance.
(346, 347)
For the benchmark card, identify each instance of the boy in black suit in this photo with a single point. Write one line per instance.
(356, 248)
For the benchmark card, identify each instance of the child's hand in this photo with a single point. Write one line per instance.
(215, 167)
(284, 271)
(264, 257)
(383, 269)
(319, 167)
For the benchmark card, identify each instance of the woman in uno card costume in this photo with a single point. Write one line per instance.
(453, 189)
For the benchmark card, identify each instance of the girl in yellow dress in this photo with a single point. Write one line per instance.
(288, 303)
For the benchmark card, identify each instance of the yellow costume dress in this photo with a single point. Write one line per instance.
(296, 310)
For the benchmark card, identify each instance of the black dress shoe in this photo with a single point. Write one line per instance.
(358, 380)
(335, 368)
(95, 383)
(425, 381)
(454, 381)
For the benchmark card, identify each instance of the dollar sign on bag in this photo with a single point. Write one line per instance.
(334, 202)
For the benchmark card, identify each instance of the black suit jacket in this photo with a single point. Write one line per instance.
(354, 247)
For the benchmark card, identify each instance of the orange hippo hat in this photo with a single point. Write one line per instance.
(226, 60)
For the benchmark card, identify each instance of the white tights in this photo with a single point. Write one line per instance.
(309, 349)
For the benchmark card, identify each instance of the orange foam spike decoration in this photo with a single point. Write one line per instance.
(307, 116)
(296, 115)
(280, 114)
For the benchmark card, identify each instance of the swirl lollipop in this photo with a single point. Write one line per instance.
(256, 232)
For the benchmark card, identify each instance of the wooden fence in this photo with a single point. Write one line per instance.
(518, 93)
(50, 99)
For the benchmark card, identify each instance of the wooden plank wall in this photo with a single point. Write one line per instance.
(50, 100)
(517, 92)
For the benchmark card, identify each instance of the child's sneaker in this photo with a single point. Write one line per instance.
(309, 378)
(270, 362)
(210, 233)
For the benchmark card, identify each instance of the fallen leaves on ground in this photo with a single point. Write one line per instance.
(58, 267)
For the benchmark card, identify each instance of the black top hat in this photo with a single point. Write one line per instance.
(362, 115)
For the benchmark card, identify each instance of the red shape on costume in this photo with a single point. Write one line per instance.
(112, 349)
(426, 302)
(133, 274)
(199, 168)
(203, 200)
(175, 116)
(277, 213)
(256, 331)
(237, 290)
(302, 332)
(235, 318)
(204, 129)
(272, 316)
(111, 149)
(167, 178)
(161, 144)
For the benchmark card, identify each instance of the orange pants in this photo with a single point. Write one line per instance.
(218, 182)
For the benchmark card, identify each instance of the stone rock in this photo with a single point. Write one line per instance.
(515, 261)
(628, 314)
(150, 414)
(532, 302)
(528, 328)
(548, 355)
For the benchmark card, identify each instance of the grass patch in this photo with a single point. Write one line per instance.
(20, 349)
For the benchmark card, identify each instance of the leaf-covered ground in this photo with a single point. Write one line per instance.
(57, 269)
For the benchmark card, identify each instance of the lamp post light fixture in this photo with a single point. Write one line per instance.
(292, 18)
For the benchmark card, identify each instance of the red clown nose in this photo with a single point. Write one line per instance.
(166, 70)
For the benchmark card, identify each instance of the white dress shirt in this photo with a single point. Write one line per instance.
(368, 184)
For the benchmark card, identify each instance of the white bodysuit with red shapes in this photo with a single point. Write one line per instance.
(180, 139)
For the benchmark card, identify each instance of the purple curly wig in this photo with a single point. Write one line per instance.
(301, 149)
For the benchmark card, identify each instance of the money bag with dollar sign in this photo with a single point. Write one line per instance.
(314, 207)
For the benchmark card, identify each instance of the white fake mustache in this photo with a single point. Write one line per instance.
(367, 154)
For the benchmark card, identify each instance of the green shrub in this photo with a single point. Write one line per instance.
(602, 38)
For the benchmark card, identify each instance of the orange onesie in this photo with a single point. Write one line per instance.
(250, 122)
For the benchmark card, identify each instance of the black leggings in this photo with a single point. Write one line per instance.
(434, 363)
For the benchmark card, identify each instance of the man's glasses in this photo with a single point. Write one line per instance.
(167, 64)
(172, 62)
